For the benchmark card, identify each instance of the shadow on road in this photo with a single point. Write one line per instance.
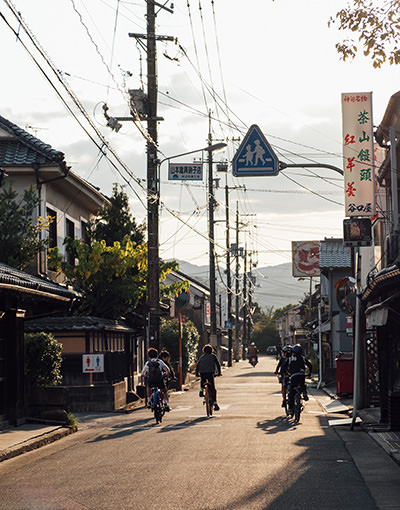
(125, 429)
(279, 424)
(251, 372)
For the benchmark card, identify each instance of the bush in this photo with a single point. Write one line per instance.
(190, 342)
(43, 359)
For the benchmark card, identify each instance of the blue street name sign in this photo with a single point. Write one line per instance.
(255, 156)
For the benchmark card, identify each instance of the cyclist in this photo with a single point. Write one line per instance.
(155, 371)
(296, 369)
(208, 365)
(165, 357)
(252, 352)
(281, 370)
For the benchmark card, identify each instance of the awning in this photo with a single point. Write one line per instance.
(377, 315)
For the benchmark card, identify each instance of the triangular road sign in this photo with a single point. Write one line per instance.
(255, 156)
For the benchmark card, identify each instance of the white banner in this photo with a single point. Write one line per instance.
(358, 154)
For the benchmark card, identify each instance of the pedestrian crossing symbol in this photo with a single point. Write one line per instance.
(255, 156)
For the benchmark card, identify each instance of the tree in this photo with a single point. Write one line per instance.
(265, 332)
(115, 221)
(377, 28)
(190, 342)
(112, 279)
(19, 236)
(43, 359)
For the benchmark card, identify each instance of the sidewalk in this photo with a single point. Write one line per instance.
(369, 418)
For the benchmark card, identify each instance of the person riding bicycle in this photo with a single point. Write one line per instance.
(281, 370)
(165, 357)
(155, 371)
(208, 365)
(296, 369)
(252, 351)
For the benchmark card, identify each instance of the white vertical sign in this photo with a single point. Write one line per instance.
(358, 154)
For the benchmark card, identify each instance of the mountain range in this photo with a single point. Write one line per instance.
(274, 285)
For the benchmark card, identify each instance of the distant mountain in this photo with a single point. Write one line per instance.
(275, 285)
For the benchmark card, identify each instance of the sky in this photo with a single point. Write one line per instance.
(264, 62)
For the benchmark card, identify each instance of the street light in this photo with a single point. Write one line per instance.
(153, 279)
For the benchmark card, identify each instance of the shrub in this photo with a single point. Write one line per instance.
(190, 342)
(43, 359)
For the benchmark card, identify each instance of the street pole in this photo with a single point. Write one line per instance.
(211, 201)
(228, 275)
(245, 336)
(153, 279)
(237, 322)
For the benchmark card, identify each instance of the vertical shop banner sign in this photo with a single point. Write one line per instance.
(305, 258)
(358, 154)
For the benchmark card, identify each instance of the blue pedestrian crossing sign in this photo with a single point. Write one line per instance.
(255, 156)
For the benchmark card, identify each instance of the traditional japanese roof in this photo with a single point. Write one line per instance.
(20, 148)
(12, 279)
(53, 324)
(334, 254)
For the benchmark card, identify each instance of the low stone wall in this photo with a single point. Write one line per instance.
(51, 403)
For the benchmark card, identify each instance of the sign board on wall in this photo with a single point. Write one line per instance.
(305, 258)
(92, 363)
(358, 154)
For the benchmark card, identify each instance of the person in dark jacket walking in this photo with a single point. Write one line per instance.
(207, 366)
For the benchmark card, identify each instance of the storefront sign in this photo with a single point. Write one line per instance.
(358, 154)
(305, 258)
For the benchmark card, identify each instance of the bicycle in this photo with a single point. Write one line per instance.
(297, 403)
(207, 398)
(157, 404)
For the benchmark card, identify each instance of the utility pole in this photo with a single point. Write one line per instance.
(153, 280)
(228, 275)
(153, 191)
(211, 205)
(237, 321)
(245, 336)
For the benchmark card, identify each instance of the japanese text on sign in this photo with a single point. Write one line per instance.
(305, 258)
(185, 172)
(358, 154)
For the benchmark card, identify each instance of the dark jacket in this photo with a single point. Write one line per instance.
(208, 363)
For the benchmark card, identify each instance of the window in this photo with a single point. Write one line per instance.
(70, 232)
(52, 228)
(84, 234)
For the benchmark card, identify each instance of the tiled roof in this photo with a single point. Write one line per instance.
(12, 278)
(48, 324)
(23, 149)
(334, 254)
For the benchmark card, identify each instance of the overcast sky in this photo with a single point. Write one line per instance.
(261, 62)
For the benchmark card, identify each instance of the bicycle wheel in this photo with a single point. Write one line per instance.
(297, 407)
(158, 413)
(209, 404)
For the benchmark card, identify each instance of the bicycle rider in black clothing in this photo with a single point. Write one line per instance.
(281, 370)
(296, 369)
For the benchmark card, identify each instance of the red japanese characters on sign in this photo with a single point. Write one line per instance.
(358, 154)
(305, 258)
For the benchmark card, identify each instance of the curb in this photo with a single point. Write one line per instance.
(37, 442)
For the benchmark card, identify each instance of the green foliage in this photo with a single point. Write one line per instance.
(19, 236)
(113, 278)
(114, 222)
(43, 359)
(265, 332)
(376, 26)
(72, 421)
(190, 342)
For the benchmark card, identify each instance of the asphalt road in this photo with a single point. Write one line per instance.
(248, 456)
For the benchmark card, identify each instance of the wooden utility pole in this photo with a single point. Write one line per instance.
(153, 181)
(211, 205)
(153, 279)
(228, 275)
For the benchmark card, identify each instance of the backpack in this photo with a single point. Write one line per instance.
(154, 375)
